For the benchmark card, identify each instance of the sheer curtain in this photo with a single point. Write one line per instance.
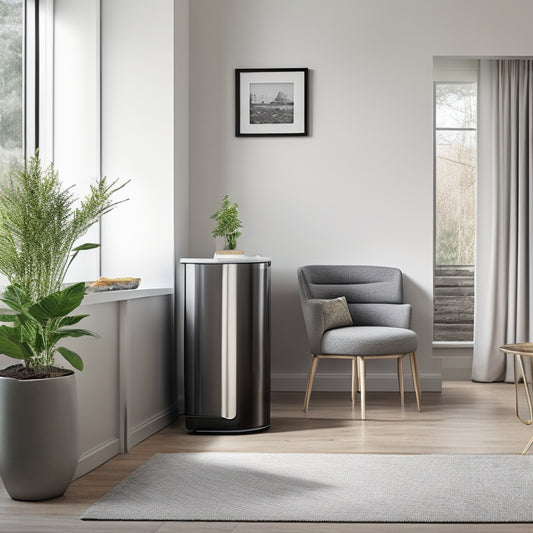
(504, 281)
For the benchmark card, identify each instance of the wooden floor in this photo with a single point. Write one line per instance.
(466, 418)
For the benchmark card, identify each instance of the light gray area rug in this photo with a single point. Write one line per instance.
(244, 487)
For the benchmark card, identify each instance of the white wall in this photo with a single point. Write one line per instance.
(181, 160)
(359, 189)
(121, 105)
(76, 110)
(115, 96)
(181, 126)
(138, 138)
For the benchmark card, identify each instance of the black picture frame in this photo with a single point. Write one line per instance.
(271, 102)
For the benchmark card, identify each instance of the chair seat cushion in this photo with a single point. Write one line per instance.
(368, 340)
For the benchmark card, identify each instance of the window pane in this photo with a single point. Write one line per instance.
(455, 197)
(11, 94)
(455, 105)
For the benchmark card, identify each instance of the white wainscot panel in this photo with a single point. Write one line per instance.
(127, 390)
(150, 366)
(98, 386)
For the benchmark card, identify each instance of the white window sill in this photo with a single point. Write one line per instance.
(117, 296)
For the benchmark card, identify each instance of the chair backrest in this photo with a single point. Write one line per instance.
(372, 292)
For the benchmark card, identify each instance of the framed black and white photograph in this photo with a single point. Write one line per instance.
(271, 102)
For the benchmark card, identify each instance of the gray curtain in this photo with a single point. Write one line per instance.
(504, 282)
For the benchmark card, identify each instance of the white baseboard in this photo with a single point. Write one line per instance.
(96, 457)
(388, 382)
(99, 455)
(148, 427)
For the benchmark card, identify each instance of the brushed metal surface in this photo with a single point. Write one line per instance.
(227, 345)
(228, 381)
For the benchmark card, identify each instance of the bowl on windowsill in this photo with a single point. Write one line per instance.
(112, 284)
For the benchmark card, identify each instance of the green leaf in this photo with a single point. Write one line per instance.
(13, 348)
(72, 357)
(27, 330)
(70, 320)
(59, 304)
(74, 332)
(24, 333)
(11, 332)
(16, 298)
(8, 318)
(86, 246)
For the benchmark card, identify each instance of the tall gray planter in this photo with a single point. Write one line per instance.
(39, 436)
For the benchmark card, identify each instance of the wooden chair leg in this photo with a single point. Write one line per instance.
(400, 379)
(414, 371)
(355, 380)
(362, 383)
(310, 378)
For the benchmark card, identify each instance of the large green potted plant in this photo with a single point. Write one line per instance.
(39, 425)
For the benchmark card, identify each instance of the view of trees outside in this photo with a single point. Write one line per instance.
(11, 83)
(455, 140)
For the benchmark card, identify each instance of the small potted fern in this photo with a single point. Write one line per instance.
(39, 225)
(228, 225)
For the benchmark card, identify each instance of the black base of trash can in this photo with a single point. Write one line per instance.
(219, 427)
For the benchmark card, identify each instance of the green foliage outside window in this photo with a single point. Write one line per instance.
(456, 172)
(11, 95)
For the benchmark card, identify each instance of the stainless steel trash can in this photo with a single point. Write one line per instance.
(227, 344)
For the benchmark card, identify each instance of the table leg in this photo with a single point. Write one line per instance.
(528, 446)
(518, 359)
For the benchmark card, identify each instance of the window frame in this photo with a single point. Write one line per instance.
(37, 78)
(436, 129)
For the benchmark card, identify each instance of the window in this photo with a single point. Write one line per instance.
(23, 30)
(11, 82)
(455, 210)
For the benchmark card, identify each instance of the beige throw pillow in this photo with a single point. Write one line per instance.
(336, 313)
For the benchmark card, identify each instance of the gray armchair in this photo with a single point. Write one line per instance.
(357, 312)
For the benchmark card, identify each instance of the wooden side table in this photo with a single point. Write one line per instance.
(522, 352)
